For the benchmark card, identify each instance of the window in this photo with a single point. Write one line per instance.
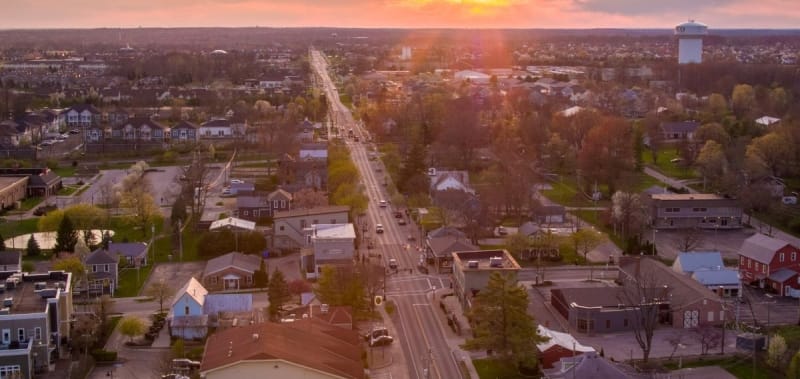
(608, 324)
(94, 268)
(105, 268)
(11, 371)
(316, 222)
(710, 316)
(246, 213)
(749, 263)
(249, 279)
(214, 280)
(758, 266)
(741, 261)
(625, 322)
(794, 256)
(303, 224)
(21, 335)
(333, 221)
(780, 257)
(275, 204)
(280, 228)
(764, 268)
(186, 310)
(37, 333)
(699, 209)
(283, 203)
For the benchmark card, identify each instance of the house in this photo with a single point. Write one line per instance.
(232, 223)
(442, 180)
(231, 271)
(770, 262)
(35, 325)
(82, 115)
(558, 345)
(216, 128)
(97, 133)
(303, 173)
(12, 190)
(306, 348)
(187, 319)
(550, 214)
(42, 182)
(330, 244)
(289, 226)
(688, 302)
(708, 269)
(140, 129)
(440, 250)
(134, 254)
(185, 131)
(591, 365)
(683, 130)
(10, 262)
(694, 210)
(313, 151)
(472, 269)
(341, 316)
(255, 207)
(9, 134)
(241, 188)
(102, 267)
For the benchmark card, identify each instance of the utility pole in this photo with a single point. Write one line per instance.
(427, 372)
(180, 241)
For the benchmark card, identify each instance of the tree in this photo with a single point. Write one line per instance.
(161, 291)
(33, 249)
(2, 243)
(82, 217)
(278, 293)
(502, 323)
(717, 105)
(140, 208)
(261, 276)
(643, 294)
(629, 212)
(743, 99)
(586, 240)
(712, 163)
(773, 150)
(341, 286)
(131, 327)
(607, 153)
(517, 244)
(72, 265)
(66, 237)
(708, 336)
(793, 371)
(776, 350)
(675, 341)
(688, 239)
(308, 198)
(178, 212)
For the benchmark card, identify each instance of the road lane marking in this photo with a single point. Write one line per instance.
(408, 345)
(428, 343)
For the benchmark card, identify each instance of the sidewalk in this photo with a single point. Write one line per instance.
(453, 340)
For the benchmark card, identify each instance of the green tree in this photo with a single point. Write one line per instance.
(717, 105)
(793, 371)
(261, 276)
(131, 327)
(278, 293)
(743, 99)
(517, 244)
(33, 249)
(776, 351)
(178, 348)
(72, 265)
(342, 286)
(773, 150)
(501, 322)
(66, 237)
(586, 240)
(712, 162)
(178, 211)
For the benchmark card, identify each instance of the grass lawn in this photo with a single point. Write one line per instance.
(666, 166)
(594, 218)
(740, 367)
(164, 246)
(30, 203)
(65, 171)
(128, 283)
(67, 190)
(564, 192)
(492, 369)
(254, 164)
(10, 229)
(125, 231)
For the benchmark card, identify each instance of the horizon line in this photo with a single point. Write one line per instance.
(381, 28)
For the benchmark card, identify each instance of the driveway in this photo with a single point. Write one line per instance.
(175, 274)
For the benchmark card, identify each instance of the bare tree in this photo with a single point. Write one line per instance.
(308, 198)
(646, 298)
(629, 212)
(708, 336)
(196, 178)
(688, 239)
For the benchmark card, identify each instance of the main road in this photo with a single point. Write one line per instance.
(419, 327)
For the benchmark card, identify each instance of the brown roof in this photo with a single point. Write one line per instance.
(336, 315)
(683, 290)
(447, 245)
(308, 342)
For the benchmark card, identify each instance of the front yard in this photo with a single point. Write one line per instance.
(669, 162)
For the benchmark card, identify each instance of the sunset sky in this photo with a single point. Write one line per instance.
(399, 13)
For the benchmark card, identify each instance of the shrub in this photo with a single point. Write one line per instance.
(389, 307)
(102, 355)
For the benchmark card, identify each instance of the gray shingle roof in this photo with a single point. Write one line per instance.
(10, 257)
(782, 275)
(241, 261)
(128, 249)
(761, 248)
(100, 256)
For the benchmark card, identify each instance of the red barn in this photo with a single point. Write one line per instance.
(770, 262)
(559, 345)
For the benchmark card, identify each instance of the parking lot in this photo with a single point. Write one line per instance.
(727, 242)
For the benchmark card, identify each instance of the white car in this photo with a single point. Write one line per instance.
(226, 191)
(383, 203)
(393, 264)
(379, 228)
(237, 181)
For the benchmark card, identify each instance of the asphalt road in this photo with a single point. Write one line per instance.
(419, 331)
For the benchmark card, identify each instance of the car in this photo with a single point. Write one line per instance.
(393, 264)
(65, 136)
(501, 230)
(376, 332)
(381, 341)
(74, 131)
(401, 221)
(226, 191)
(379, 228)
(383, 203)
(398, 214)
(237, 181)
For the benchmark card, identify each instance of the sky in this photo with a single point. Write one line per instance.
(777, 14)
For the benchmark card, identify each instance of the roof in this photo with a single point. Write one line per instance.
(10, 257)
(139, 122)
(716, 277)
(767, 120)
(101, 256)
(193, 289)
(782, 275)
(761, 248)
(336, 315)
(571, 111)
(251, 202)
(590, 365)
(445, 246)
(692, 261)
(680, 127)
(244, 262)
(313, 211)
(446, 231)
(216, 123)
(228, 302)
(185, 125)
(309, 342)
(128, 249)
(592, 296)
(564, 340)
(334, 231)
(686, 196)
(232, 222)
(280, 193)
(683, 290)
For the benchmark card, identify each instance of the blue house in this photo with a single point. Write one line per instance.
(187, 319)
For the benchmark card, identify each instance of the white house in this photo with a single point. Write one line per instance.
(331, 244)
(216, 128)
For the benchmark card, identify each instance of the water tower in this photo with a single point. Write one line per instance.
(690, 41)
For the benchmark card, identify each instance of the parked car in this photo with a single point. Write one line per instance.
(401, 221)
(398, 214)
(74, 131)
(237, 181)
(381, 341)
(376, 332)
(501, 230)
(226, 191)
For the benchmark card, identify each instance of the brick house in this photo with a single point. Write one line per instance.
(230, 271)
(770, 262)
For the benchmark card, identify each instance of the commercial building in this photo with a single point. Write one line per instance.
(704, 211)
(472, 269)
